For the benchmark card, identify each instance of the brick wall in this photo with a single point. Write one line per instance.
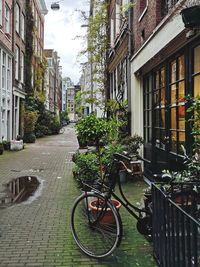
(145, 20)
(6, 39)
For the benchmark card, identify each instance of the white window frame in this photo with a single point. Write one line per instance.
(23, 27)
(17, 54)
(117, 18)
(3, 71)
(9, 65)
(144, 11)
(17, 18)
(22, 67)
(7, 19)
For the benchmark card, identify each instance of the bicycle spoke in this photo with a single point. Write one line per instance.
(92, 234)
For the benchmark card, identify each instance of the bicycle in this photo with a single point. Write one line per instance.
(94, 234)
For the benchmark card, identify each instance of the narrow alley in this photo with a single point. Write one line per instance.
(37, 232)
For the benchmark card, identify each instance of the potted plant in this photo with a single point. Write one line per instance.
(132, 144)
(191, 16)
(107, 158)
(6, 145)
(96, 206)
(1, 148)
(99, 131)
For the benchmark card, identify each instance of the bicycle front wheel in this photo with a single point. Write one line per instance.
(95, 234)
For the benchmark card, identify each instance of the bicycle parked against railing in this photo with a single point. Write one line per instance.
(95, 221)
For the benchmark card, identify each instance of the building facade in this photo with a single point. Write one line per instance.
(165, 67)
(19, 93)
(6, 57)
(53, 82)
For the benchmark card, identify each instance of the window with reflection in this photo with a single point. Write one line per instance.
(196, 71)
(148, 109)
(159, 92)
(177, 104)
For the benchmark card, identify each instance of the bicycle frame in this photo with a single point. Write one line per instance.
(113, 179)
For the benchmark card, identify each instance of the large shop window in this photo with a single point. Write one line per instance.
(159, 107)
(148, 109)
(196, 71)
(177, 107)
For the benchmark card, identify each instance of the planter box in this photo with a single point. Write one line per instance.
(16, 145)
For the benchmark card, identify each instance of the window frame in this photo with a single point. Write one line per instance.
(17, 18)
(17, 62)
(7, 19)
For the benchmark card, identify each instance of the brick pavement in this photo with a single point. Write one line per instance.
(37, 233)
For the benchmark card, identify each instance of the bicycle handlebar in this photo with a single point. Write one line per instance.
(121, 157)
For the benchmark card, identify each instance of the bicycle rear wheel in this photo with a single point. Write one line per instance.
(95, 234)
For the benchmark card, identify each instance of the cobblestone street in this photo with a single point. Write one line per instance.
(36, 232)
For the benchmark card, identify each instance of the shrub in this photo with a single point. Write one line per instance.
(29, 138)
(107, 156)
(41, 130)
(54, 126)
(86, 168)
(132, 144)
(30, 119)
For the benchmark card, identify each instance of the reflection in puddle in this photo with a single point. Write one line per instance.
(20, 189)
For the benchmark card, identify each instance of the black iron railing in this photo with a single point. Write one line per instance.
(176, 229)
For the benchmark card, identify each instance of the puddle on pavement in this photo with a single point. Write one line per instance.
(19, 190)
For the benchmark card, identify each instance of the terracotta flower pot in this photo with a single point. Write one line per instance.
(107, 217)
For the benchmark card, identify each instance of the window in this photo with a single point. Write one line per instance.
(1, 13)
(7, 19)
(159, 107)
(147, 109)
(196, 71)
(17, 53)
(112, 31)
(23, 27)
(143, 8)
(17, 18)
(9, 74)
(177, 106)
(117, 18)
(143, 4)
(22, 67)
(4, 71)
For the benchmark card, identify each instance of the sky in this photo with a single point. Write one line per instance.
(60, 31)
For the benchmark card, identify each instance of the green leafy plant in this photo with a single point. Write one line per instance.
(30, 119)
(194, 110)
(108, 152)
(99, 131)
(132, 144)
(86, 168)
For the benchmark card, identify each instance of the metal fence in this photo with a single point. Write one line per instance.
(176, 231)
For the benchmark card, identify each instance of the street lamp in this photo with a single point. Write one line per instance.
(55, 5)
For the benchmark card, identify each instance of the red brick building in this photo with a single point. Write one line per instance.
(164, 67)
